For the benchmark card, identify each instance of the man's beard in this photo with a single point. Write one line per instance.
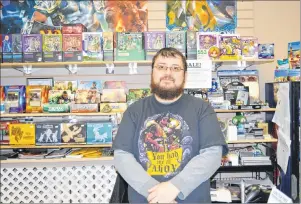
(166, 93)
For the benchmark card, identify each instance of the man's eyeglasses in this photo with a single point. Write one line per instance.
(172, 68)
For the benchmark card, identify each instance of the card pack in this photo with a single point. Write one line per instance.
(73, 133)
(36, 97)
(15, 101)
(230, 47)
(48, 134)
(32, 48)
(22, 134)
(99, 133)
(72, 47)
(52, 48)
(153, 42)
(108, 49)
(92, 46)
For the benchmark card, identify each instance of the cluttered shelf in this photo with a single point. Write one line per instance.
(52, 146)
(246, 168)
(267, 139)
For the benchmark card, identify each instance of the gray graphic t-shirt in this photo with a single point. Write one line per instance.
(165, 137)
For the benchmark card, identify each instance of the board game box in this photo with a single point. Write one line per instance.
(191, 45)
(7, 48)
(249, 47)
(92, 46)
(230, 47)
(65, 85)
(15, 101)
(153, 42)
(207, 45)
(32, 48)
(4, 130)
(73, 133)
(130, 47)
(87, 96)
(113, 107)
(89, 84)
(266, 51)
(113, 95)
(108, 49)
(52, 48)
(114, 85)
(22, 134)
(99, 133)
(73, 28)
(72, 48)
(48, 134)
(84, 108)
(36, 97)
(60, 97)
(17, 48)
(176, 39)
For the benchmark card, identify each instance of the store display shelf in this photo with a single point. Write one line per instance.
(5, 115)
(246, 110)
(2, 146)
(266, 140)
(246, 168)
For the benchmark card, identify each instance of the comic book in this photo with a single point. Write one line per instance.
(22, 134)
(249, 47)
(48, 134)
(92, 46)
(32, 48)
(230, 47)
(130, 47)
(72, 47)
(176, 39)
(108, 49)
(207, 45)
(73, 133)
(52, 48)
(153, 42)
(99, 133)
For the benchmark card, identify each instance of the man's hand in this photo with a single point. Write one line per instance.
(164, 192)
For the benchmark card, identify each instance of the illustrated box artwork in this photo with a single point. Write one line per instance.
(90, 84)
(7, 49)
(266, 51)
(230, 47)
(154, 41)
(48, 134)
(36, 97)
(32, 48)
(87, 96)
(17, 48)
(92, 46)
(52, 48)
(22, 134)
(191, 45)
(15, 101)
(65, 85)
(99, 133)
(108, 49)
(207, 46)
(249, 47)
(72, 48)
(73, 133)
(177, 39)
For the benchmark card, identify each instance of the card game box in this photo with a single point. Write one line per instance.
(153, 42)
(266, 51)
(73, 133)
(113, 95)
(36, 97)
(176, 39)
(65, 85)
(136, 94)
(114, 85)
(129, 47)
(207, 45)
(191, 45)
(52, 48)
(92, 46)
(108, 49)
(99, 133)
(60, 97)
(90, 84)
(32, 48)
(15, 101)
(87, 96)
(4, 130)
(84, 108)
(17, 48)
(7, 48)
(22, 134)
(73, 28)
(48, 134)
(230, 47)
(72, 48)
(249, 47)
(113, 107)
(56, 108)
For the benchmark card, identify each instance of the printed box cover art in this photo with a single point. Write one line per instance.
(92, 43)
(249, 47)
(16, 43)
(108, 39)
(154, 40)
(266, 51)
(7, 43)
(176, 39)
(87, 96)
(52, 43)
(32, 43)
(48, 133)
(65, 85)
(230, 47)
(114, 85)
(72, 42)
(60, 97)
(15, 99)
(22, 134)
(73, 133)
(113, 95)
(191, 45)
(99, 133)
(90, 84)
(207, 45)
(36, 96)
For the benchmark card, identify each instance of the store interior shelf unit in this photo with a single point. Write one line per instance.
(13, 115)
(89, 64)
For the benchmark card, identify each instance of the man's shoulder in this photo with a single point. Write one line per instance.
(196, 102)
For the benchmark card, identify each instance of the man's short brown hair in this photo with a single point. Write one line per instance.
(170, 52)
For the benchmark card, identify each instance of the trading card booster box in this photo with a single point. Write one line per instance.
(72, 48)
(99, 133)
(15, 99)
(36, 97)
(52, 48)
(32, 48)
(73, 133)
(48, 133)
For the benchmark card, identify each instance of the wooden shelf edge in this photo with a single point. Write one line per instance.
(2, 146)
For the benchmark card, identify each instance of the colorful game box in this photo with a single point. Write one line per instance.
(281, 75)
(266, 51)
(72, 48)
(130, 47)
(230, 47)
(22, 134)
(4, 130)
(113, 95)
(114, 85)
(108, 49)
(17, 48)
(32, 48)
(249, 47)
(15, 101)
(73, 28)
(154, 41)
(52, 48)
(56, 108)
(136, 94)
(2, 100)
(84, 108)
(89, 84)
(65, 85)
(60, 97)
(99, 133)
(191, 45)
(92, 46)
(48, 134)
(294, 54)
(207, 45)
(73, 133)
(113, 107)
(36, 97)
(176, 39)
(7, 48)
(87, 96)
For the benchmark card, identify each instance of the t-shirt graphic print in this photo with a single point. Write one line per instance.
(165, 144)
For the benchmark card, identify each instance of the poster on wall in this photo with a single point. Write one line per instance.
(202, 15)
(31, 16)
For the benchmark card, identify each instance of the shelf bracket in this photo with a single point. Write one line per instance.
(133, 68)
(26, 70)
(216, 65)
(242, 65)
(110, 68)
(73, 69)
